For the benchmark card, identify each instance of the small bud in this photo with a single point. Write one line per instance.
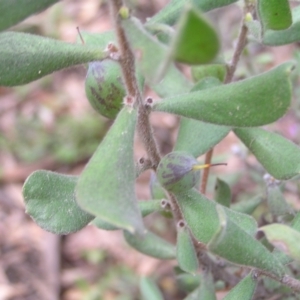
(248, 17)
(124, 12)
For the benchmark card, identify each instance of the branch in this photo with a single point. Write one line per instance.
(231, 68)
(127, 62)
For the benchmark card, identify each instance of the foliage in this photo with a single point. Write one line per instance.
(210, 107)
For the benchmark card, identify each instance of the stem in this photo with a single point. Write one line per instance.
(231, 68)
(287, 280)
(127, 62)
(144, 127)
(241, 43)
(204, 180)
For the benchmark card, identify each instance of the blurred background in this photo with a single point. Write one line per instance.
(48, 124)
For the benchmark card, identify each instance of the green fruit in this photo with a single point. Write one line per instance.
(175, 171)
(104, 88)
(156, 190)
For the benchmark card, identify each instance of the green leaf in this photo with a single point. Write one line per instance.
(164, 33)
(287, 36)
(222, 192)
(196, 137)
(276, 201)
(146, 207)
(101, 224)
(26, 57)
(144, 45)
(284, 238)
(274, 14)
(244, 289)
(187, 282)
(232, 243)
(170, 13)
(248, 206)
(194, 295)
(279, 156)
(49, 200)
(156, 190)
(15, 11)
(254, 28)
(151, 245)
(185, 250)
(206, 290)
(207, 286)
(213, 70)
(149, 289)
(202, 218)
(251, 102)
(281, 256)
(195, 42)
(106, 187)
(100, 40)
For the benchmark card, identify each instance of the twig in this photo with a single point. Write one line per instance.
(127, 63)
(241, 43)
(204, 180)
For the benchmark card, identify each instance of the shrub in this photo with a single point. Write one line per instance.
(208, 230)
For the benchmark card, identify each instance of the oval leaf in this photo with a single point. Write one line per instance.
(207, 286)
(284, 238)
(274, 14)
(151, 245)
(149, 289)
(27, 57)
(187, 282)
(287, 36)
(195, 42)
(243, 290)
(202, 218)
(281, 256)
(170, 13)
(214, 70)
(222, 192)
(101, 224)
(15, 11)
(106, 187)
(196, 137)
(247, 206)
(251, 102)
(235, 245)
(185, 250)
(276, 201)
(50, 201)
(146, 208)
(279, 156)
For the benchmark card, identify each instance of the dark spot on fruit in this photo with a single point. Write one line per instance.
(96, 94)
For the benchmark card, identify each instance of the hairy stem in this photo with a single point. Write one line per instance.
(127, 62)
(205, 175)
(231, 67)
